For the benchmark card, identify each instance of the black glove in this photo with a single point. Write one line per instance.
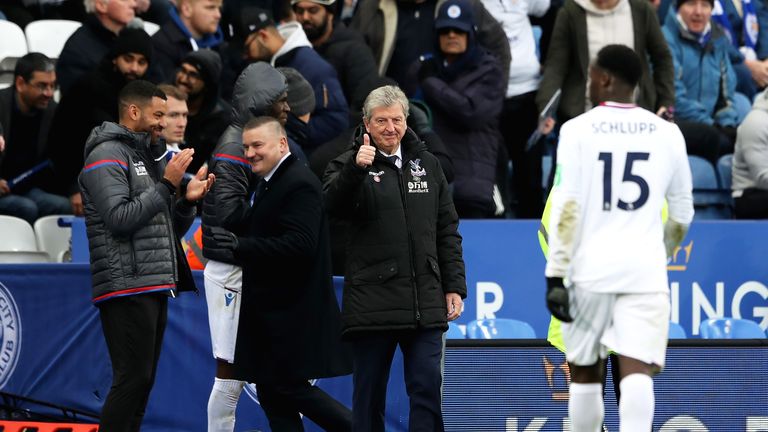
(427, 69)
(557, 299)
(225, 239)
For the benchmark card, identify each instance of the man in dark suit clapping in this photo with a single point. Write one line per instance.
(290, 326)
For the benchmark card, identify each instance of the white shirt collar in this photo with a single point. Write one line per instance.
(272, 172)
(398, 153)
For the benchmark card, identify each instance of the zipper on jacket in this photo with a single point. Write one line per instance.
(410, 243)
(134, 266)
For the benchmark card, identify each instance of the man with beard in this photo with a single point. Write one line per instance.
(342, 47)
(92, 101)
(134, 220)
(288, 46)
(209, 115)
(26, 109)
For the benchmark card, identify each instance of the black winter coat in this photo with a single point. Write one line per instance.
(353, 60)
(465, 113)
(289, 320)
(83, 51)
(133, 221)
(404, 250)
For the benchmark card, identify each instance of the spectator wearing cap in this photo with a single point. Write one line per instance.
(464, 85)
(199, 76)
(342, 47)
(288, 46)
(301, 101)
(193, 25)
(92, 41)
(398, 32)
(707, 107)
(91, 101)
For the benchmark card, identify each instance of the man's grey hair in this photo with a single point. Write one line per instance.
(385, 96)
(90, 5)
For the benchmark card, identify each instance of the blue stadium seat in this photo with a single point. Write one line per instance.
(676, 331)
(709, 200)
(724, 171)
(500, 328)
(730, 328)
(454, 331)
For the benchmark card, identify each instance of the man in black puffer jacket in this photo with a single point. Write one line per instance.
(134, 222)
(404, 274)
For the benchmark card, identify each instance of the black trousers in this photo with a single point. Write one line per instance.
(283, 402)
(753, 204)
(519, 118)
(372, 355)
(133, 329)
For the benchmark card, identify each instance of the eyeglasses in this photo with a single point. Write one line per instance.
(42, 87)
(191, 74)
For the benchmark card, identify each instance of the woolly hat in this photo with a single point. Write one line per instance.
(132, 40)
(455, 14)
(301, 97)
(680, 2)
(208, 64)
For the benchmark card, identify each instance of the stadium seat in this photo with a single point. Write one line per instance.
(676, 331)
(709, 200)
(730, 328)
(23, 257)
(54, 238)
(49, 36)
(724, 171)
(13, 46)
(17, 235)
(151, 28)
(500, 328)
(454, 331)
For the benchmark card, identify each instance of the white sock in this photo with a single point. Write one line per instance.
(637, 402)
(585, 407)
(222, 403)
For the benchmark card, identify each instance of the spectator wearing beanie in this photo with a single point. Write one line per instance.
(301, 100)
(93, 40)
(91, 101)
(199, 76)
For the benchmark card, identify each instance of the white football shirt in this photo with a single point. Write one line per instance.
(616, 165)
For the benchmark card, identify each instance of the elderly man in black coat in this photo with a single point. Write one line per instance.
(290, 326)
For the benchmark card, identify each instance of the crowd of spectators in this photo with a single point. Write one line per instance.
(477, 77)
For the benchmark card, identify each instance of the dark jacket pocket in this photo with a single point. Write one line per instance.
(376, 274)
(434, 268)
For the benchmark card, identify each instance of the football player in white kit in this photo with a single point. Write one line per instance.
(616, 165)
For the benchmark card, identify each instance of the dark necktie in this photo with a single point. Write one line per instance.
(260, 186)
(393, 159)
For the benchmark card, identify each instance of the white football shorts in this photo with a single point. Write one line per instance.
(635, 325)
(223, 291)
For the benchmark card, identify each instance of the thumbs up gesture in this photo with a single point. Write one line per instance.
(366, 153)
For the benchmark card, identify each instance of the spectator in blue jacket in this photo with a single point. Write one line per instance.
(706, 102)
(288, 46)
(465, 86)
